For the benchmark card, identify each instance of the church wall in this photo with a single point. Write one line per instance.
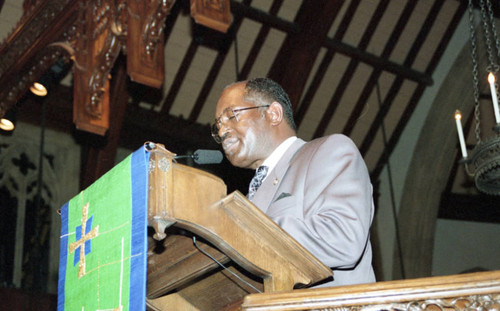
(463, 245)
(451, 237)
(19, 163)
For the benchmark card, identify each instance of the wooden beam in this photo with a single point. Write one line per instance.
(379, 62)
(258, 43)
(145, 41)
(216, 66)
(46, 24)
(325, 62)
(101, 159)
(179, 77)
(264, 18)
(372, 80)
(42, 27)
(215, 14)
(297, 54)
(393, 140)
(348, 74)
(398, 82)
(334, 44)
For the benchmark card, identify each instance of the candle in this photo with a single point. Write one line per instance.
(458, 118)
(494, 98)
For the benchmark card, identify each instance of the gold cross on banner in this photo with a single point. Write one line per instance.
(85, 237)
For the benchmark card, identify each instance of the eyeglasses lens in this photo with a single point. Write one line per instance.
(227, 115)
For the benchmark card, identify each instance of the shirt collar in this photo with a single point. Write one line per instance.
(276, 155)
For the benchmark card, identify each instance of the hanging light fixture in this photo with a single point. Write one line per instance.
(8, 121)
(484, 161)
(41, 87)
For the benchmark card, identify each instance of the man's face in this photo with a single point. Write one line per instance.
(246, 140)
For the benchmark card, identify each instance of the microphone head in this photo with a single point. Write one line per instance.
(202, 156)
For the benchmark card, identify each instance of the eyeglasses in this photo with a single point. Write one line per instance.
(228, 115)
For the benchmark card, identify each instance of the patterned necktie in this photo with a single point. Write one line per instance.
(256, 181)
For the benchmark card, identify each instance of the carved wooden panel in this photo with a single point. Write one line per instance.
(97, 48)
(23, 54)
(215, 14)
(145, 43)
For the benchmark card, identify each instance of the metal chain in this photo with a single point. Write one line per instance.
(495, 38)
(474, 70)
(492, 67)
(494, 28)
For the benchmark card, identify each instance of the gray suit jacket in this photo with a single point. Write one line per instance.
(320, 193)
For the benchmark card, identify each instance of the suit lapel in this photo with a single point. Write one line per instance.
(267, 191)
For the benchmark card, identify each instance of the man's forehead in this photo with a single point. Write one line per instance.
(235, 90)
(231, 97)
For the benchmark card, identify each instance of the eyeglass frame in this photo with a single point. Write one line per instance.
(216, 126)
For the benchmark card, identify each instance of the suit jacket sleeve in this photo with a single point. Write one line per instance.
(330, 206)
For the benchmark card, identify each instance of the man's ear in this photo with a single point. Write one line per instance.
(275, 113)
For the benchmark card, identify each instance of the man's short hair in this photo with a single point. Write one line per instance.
(265, 91)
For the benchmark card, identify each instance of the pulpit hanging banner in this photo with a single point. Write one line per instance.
(103, 255)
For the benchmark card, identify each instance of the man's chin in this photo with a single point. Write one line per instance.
(235, 160)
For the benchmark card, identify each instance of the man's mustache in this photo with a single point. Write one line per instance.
(223, 137)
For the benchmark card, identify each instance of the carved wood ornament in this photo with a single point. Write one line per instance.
(145, 60)
(92, 34)
(215, 14)
(25, 54)
(106, 29)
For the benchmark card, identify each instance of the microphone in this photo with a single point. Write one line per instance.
(203, 156)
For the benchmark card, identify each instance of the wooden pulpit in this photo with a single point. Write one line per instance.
(211, 249)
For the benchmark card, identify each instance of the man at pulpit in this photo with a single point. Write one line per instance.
(318, 191)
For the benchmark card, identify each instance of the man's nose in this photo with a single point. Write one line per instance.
(224, 130)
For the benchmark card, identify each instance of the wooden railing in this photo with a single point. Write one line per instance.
(474, 291)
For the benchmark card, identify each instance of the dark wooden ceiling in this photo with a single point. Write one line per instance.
(353, 67)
